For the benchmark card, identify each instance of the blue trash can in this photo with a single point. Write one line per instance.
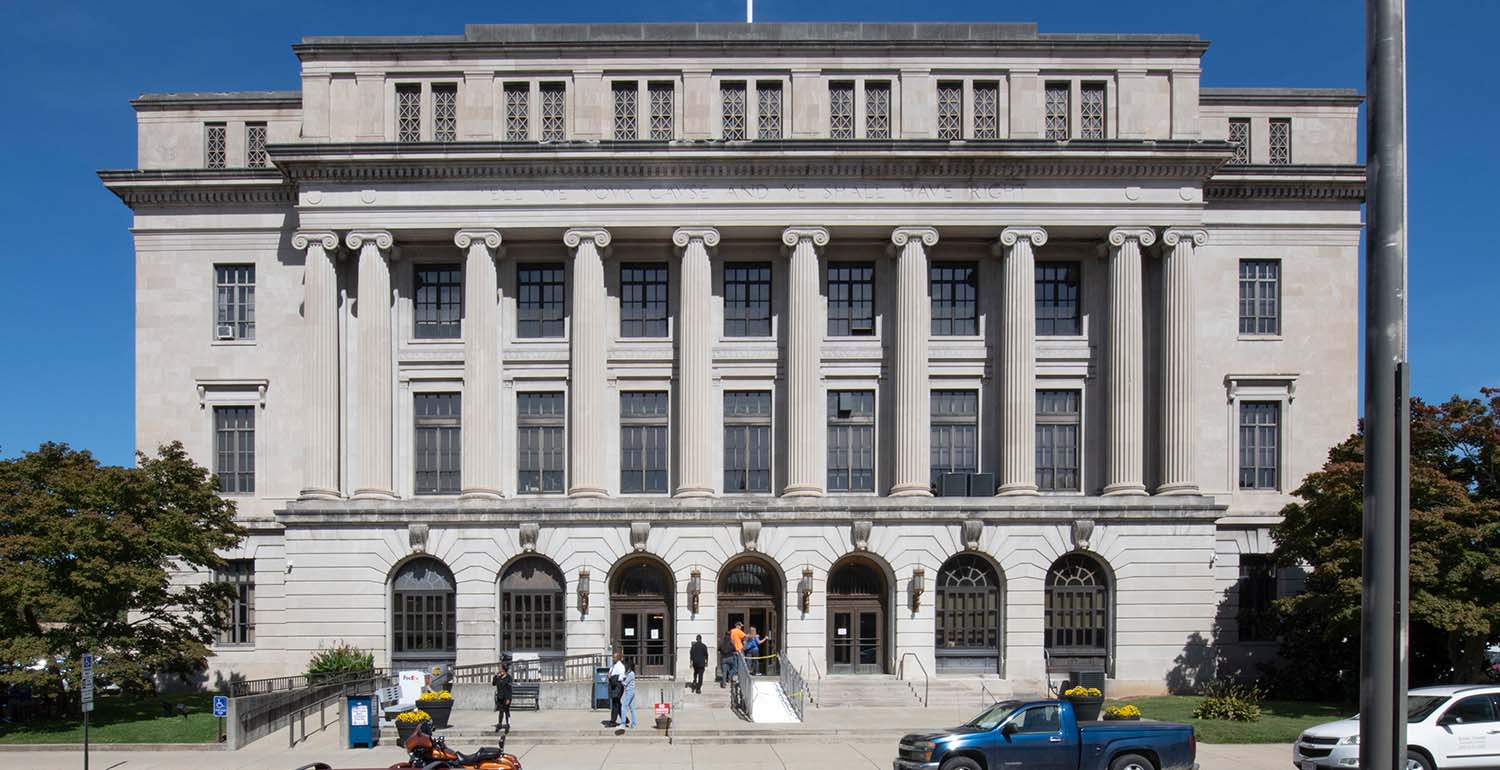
(601, 687)
(364, 721)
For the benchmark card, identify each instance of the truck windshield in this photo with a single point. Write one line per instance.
(994, 715)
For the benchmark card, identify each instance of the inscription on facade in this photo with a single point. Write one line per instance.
(751, 193)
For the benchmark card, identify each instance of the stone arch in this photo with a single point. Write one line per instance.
(1079, 614)
(752, 588)
(533, 600)
(642, 599)
(423, 614)
(861, 619)
(969, 596)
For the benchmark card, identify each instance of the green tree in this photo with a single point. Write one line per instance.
(1455, 554)
(87, 555)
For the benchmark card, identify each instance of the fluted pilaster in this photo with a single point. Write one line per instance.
(480, 468)
(695, 338)
(1018, 360)
(806, 440)
(1177, 369)
(913, 467)
(587, 410)
(1126, 464)
(320, 369)
(372, 421)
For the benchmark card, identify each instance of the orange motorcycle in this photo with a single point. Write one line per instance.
(431, 752)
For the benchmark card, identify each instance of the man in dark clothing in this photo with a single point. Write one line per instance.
(616, 688)
(504, 689)
(698, 654)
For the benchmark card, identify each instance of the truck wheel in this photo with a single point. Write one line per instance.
(1131, 762)
(1416, 760)
(961, 763)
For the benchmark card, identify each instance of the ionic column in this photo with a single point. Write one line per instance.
(1126, 464)
(320, 366)
(480, 464)
(806, 434)
(1177, 327)
(695, 339)
(913, 471)
(372, 422)
(586, 377)
(1018, 361)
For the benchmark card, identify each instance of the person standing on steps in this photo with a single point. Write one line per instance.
(698, 654)
(616, 688)
(752, 644)
(627, 699)
(504, 689)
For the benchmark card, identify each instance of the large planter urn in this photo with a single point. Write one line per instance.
(439, 710)
(1086, 707)
(404, 731)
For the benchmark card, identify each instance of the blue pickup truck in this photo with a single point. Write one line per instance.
(1045, 735)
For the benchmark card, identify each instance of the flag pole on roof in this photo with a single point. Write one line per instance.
(749, 11)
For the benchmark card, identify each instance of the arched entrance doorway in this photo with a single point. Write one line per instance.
(750, 592)
(531, 609)
(857, 612)
(424, 628)
(640, 604)
(970, 622)
(1078, 610)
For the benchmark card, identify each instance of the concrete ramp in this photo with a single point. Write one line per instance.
(771, 705)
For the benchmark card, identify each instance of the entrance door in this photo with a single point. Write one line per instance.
(763, 619)
(855, 642)
(641, 636)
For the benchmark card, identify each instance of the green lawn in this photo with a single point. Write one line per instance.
(123, 720)
(1281, 721)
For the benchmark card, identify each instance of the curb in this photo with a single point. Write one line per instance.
(78, 747)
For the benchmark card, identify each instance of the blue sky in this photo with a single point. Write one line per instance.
(66, 339)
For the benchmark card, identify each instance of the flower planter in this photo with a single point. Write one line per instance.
(439, 710)
(404, 731)
(1109, 718)
(1086, 708)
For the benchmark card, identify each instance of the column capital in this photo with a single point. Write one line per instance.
(575, 236)
(1172, 235)
(304, 238)
(903, 235)
(682, 236)
(1145, 235)
(1010, 235)
(466, 238)
(793, 235)
(382, 239)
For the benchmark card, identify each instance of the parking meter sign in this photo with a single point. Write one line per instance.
(221, 706)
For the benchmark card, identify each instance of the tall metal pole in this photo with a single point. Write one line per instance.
(1383, 638)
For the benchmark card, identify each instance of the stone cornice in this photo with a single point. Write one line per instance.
(1302, 183)
(200, 187)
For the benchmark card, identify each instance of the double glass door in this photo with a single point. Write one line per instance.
(643, 636)
(856, 642)
(762, 618)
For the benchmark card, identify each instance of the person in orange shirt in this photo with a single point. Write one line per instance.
(736, 637)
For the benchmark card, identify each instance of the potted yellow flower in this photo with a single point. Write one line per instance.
(407, 723)
(1128, 711)
(1087, 702)
(439, 704)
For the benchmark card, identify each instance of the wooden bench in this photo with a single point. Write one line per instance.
(526, 696)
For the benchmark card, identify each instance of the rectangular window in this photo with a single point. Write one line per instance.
(661, 111)
(1260, 444)
(409, 112)
(625, 93)
(214, 143)
(1257, 590)
(517, 111)
(1058, 311)
(1091, 111)
(877, 110)
(1057, 100)
(732, 108)
(747, 441)
(851, 299)
(554, 112)
(234, 302)
(841, 110)
(439, 441)
(955, 432)
(1239, 136)
(540, 301)
(987, 110)
(768, 102)
(234, 449)
(643, 442)
(255, 145)
(1058, 419)
(950, 110)
(1281, 141)
(1260, 296)
(954, 289)
(445, 112)
(540, 458)
(643, 299)
(747, 299)
(851, 441)
(438, 301)
(239, 629)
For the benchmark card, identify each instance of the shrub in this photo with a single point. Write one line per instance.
(341, 658)
(1230, 701)
(1127, 711)
(413, 717)
(1083, 692)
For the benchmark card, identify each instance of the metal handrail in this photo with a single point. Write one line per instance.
(742, 690)
(817, 697)
(300, 717)
(300, 681)
(926, 680)
(986, 698)
(573, 668)
(794, 687)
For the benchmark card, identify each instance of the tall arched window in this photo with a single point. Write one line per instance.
(1078, 608)
(969, 622)
(531, 607)
(423, 623)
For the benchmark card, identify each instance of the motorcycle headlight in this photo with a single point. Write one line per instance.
(1352, 740)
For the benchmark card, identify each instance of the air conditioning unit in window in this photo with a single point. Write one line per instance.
(953, 485)
(861, 329)
(224, 331)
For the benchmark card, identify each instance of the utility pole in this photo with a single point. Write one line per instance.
(1383, 637)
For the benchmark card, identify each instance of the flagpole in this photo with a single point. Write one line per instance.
(749, 11)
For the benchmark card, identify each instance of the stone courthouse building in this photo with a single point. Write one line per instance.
(967, 343)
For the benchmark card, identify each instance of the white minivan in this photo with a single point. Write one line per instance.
(1453, 726)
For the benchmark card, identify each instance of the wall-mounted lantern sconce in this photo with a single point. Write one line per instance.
(805, 589)
(918, 586)
(695, 590)
(583, 590)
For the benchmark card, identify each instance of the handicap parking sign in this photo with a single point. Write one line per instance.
(221, 706)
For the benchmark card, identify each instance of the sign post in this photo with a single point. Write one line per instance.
(86, 693)
(221, 710)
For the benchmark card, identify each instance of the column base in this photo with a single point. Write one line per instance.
(373, 494)
(1179, 488)
(802, 490)
(1016, 490)
(480, 493)
(693, 492)
(911, 490)
(588, 492)
(1129, 489)
(318, 493)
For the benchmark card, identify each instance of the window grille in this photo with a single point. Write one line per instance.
(732, 104)
(445, 113)
(234, 301)
(877, 110)
(532, 601)
(438, 293)
(1058, 312)
(554, 112)
(1260, 296)
(661, 111)
(987, 110)
(851, 299)
(768, 100)
(539, 443)
(1057, 111)
(955, 432)
(214, 153)
(234, 445)
(1076, 618)
(1257, 590)
(409, 112)
(747, 441)
(968, 605)
(954, 290)
(643, 442)
(540, 301)
(747, 299)
(1058, 419)
(643, 299)
(240, 609)
(518, 111)
(841, 110)
(1091, 111)
(255, 145)
(1239, 136)
(423, 610)
(439, 442)
(1281, 141)
(1260, 431)
(950, 110)
(851, 441)
(625, 109)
